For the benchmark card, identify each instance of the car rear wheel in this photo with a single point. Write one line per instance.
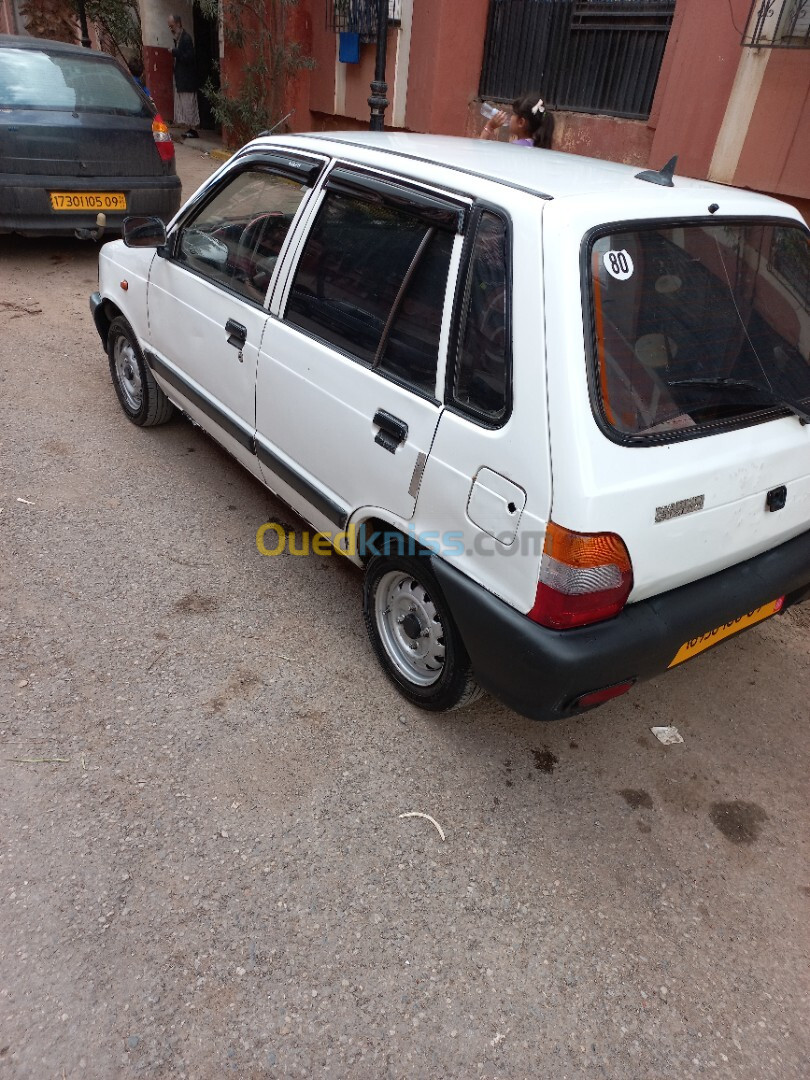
(140, 396)
(413, 634)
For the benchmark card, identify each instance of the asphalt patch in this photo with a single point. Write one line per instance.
(637, 798)
(739, 822)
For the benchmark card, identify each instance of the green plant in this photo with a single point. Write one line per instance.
(259, 29)
(118, 24)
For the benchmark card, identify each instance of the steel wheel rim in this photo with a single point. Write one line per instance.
(410, 628)
(128, 373)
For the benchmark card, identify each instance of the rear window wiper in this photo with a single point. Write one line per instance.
(765, 392)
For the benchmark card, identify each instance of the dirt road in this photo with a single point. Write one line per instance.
(204, 869)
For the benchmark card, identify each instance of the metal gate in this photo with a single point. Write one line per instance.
(595, 56)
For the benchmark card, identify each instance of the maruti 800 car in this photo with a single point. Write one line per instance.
(555, 409)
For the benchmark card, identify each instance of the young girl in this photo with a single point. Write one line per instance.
(530, 123)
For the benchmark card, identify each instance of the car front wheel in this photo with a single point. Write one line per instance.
(413, 634)
(140, 396)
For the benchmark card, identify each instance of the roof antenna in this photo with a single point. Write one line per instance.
(662, 178)
(278, 125)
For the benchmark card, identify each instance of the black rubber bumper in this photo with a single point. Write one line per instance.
(540, 672)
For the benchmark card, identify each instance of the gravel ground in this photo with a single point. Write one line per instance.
(204, 871)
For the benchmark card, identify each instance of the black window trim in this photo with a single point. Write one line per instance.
(460, 408)
(762, 415)
(260, 161)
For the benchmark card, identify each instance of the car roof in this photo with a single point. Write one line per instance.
(20, 41)
(549, 174)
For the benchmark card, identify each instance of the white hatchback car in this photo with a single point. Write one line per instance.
(557, 409)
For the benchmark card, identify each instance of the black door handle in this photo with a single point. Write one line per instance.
(393, 431)
(237, 334)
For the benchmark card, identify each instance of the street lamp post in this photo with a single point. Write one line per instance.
(83, 24)
(378, 101)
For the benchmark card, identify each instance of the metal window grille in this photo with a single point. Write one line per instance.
(778, 24)
(788, 260)
(595, 56)
(359, 16)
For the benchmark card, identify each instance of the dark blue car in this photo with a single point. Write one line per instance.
(78, 138)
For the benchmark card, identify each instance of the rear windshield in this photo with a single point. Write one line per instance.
(700, 325)
(40, 80)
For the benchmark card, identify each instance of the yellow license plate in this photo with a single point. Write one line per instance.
(711, 637)
(88, 200)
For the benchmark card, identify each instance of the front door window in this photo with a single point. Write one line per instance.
(236, 238)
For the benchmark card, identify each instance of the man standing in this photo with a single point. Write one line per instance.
(186, 108)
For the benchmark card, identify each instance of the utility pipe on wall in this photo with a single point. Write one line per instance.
(378, 101)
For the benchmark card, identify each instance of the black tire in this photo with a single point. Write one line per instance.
(140, 397)
(405, 613)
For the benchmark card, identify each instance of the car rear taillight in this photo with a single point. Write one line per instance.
(584, 578)
(162, 137)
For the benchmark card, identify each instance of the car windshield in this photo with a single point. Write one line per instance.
(697, 325)
(30, 79)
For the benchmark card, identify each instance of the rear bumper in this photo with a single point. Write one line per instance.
(539, 672)
(25, 206)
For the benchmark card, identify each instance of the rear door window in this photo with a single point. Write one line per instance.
(699, 326)
(371, 280)
(31, 79)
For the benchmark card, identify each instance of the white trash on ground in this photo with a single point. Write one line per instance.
(669, 736)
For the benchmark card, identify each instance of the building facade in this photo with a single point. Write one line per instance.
(724, 84)
(724, 91)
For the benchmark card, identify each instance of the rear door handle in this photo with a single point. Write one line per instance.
(237, 334)
(393, 431)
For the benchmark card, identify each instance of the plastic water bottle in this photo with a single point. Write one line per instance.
(488, 111)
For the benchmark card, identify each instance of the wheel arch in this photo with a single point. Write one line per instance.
(103, 316)
(373, 519)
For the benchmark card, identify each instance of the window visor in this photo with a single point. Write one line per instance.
(436, 210)
(304, 170)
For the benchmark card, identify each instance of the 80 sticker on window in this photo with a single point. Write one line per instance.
(618, 264)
